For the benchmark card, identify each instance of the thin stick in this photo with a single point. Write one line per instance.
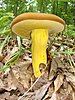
(28, 89)
(19, 41)
(20, 98)
(72, 60)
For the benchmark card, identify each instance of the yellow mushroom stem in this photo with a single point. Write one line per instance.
(39, 45)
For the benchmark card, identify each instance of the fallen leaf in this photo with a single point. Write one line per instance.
(10, 53)
(13, 97)
(52, 75)
(1, 57)
(8, 96)
(54, 96)
(49, 93)
(69, 89)
(42, 81)
(38, 94)
(5, 96)
(29, 96)
(14, 50)
(54, 65)
(15, 82)
(22, 72)
(58, 82)
(41, 92)
(70, 78)
(73, 95)
(8, 83)
(1, 84)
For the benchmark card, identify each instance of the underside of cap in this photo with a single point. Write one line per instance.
(25, 23)
(25, 27)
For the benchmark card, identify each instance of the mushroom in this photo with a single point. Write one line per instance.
(39, 25)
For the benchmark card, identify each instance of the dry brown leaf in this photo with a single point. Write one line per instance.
(29, 96)
(49, 93)
(58, 96)
(22, 72)
(70, 78)
(58, 82)
(56, 63)
(51, 75)
(1, 64)
(54, 96)
(1, 57)
(39, 94)
(8, 96)
(8, 83)
(73, 95)
(14, 50)
(1, 84)
(15, 82)
(69, 89)
(10, 53)
(5, 96)
(53, 65)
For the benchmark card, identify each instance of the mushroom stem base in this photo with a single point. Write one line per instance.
(39, 45)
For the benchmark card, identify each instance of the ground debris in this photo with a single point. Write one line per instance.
(59, 84)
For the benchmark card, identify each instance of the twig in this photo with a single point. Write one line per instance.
(31, 86)
(28, 89)
(72, 60)
(19, 41)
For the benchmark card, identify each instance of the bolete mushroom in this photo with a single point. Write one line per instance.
(38, 24)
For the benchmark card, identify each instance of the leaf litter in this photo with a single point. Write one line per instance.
(59, 84)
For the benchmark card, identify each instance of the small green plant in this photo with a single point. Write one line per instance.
(5, 21)
(13, 59)
(70, 30)
(3, 43)
(68, 52)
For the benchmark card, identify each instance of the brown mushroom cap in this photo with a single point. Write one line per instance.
(25, 23)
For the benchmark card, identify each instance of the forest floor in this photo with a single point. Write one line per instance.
(57, 81)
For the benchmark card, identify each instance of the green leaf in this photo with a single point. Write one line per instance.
(69, 52)
(4, 68)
